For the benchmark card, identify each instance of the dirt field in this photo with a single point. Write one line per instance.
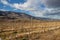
(29, 30)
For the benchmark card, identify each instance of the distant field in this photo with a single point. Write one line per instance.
(29, 30)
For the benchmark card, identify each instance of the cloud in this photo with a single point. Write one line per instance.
(28, 5)
(52, 8)
(3, 10)
(4, 2)
(51, 3)
(52, 13)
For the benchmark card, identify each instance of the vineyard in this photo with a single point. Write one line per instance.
(29, 30)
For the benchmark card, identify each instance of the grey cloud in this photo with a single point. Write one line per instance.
(52, 3)
(58, 13)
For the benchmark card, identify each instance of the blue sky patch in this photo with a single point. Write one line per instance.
(16, 1)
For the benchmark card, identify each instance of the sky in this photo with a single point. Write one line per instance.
(37, 8)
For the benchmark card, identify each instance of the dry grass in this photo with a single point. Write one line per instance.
(30, 30)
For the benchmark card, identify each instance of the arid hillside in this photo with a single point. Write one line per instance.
(26, 27)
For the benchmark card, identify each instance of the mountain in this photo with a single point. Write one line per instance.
(13, 15)
(19, 15)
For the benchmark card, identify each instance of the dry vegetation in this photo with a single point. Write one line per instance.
(29, 30)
